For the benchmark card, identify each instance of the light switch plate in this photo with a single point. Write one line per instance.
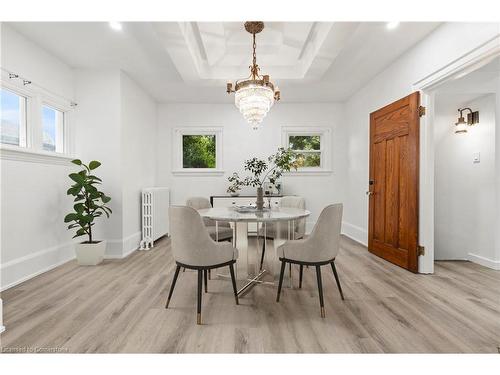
(476, 157)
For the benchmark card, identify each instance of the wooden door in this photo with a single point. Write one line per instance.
(393, 185)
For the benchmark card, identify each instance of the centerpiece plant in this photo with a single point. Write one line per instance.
(89, 204)
(265, 170)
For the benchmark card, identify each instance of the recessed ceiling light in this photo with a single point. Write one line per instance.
(115, 25)
(392, 25)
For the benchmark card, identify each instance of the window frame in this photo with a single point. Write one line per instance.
(325, 147)
(33, 150)
(177, 147)
(28, 107)
(57, 107)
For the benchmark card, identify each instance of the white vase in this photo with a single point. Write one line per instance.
(90, 254)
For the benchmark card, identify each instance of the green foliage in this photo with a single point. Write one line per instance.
(198, 151)
(282, 161)
(309, 144)
(90, 203)
(236, 183)
(256, 167)
(305, 142)
(308, 159)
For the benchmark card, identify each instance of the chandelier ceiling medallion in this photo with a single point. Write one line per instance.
(254, 95)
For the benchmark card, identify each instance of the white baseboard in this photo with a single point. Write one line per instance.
(18, 270)
(486, 262)
(118, 249)
(354, 232)
(24, 268)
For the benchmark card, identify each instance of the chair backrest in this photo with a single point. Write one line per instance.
(189, 235)
(200, 203)
(296, 202)
(326, 233)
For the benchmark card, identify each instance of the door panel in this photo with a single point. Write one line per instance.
(393, 208)
(379, 204)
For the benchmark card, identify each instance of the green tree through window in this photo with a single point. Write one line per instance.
(307, 148)
(198, 151)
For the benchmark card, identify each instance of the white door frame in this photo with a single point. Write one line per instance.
(469, 62)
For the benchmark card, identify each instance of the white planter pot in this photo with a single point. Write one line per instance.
(90, 254)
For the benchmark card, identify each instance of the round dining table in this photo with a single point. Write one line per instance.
(280, 220)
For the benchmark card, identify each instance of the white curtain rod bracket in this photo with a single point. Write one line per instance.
(26, 82)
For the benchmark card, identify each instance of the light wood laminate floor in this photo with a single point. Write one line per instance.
(118, 306)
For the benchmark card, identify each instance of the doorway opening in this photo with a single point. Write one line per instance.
(466, 166)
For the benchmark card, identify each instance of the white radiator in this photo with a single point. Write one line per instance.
(155, 203)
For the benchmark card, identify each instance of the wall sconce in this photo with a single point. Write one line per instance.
(461, 124)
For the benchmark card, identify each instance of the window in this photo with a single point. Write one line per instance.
(34, 123)
(307, 148)
(52, 129)
(13, 118)
(312, 147)
(197, 150)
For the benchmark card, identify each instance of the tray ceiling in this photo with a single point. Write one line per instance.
(191, 61)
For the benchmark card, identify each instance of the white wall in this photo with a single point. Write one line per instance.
(27, 59)
(465, 218)
(240, 142)
(447, 43)
(33, 195)
(138, 156)
(115, 123)
(98, 136)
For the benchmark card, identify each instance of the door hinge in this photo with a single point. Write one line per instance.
(420, 250)
(421, 111)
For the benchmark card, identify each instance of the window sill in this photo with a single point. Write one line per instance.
(310, 172)
(28, 155)
(201, 172)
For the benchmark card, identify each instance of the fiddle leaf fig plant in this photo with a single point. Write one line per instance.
(90, 203)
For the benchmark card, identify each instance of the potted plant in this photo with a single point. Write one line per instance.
(235, 186)
(282, 161)
(90, 203)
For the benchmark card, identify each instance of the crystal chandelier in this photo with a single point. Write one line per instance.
(254, 95)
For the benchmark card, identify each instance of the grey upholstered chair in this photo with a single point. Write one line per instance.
(300, 225)
(225, 232)
(193, 248)
(318, 249)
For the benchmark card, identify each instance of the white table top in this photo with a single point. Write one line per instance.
(275, 214)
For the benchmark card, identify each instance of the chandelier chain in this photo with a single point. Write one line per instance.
(254, 68)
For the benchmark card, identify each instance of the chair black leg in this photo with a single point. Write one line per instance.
(263, 253)
(209, 274)
(183, 269)
(200, 282)
(334, 269)
(233, 279)
(301, 271)
(282, 273)
(320, 290)
(205, 277)
(177, 269)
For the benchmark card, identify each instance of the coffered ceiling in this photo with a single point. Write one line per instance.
(288, 51)
(191, 61)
